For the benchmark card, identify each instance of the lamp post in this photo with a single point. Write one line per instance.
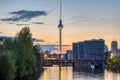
(92, 67)
(111, 55)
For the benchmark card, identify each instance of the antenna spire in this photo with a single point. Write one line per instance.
(60, 9)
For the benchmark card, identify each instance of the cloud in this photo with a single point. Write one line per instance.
(37, 22)
(11, 22)
(58, 45)
(19, 24)
(79, 19)
(0, 32)
(103, 19)
(22, 24)
(83, 19)
(24, 15)
(38, 40)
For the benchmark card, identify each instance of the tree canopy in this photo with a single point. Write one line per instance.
(19, 57)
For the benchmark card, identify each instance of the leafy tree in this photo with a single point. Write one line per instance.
(18, 57)
(114, 64)
(39, 59)
(7, 65)
(24, 47)
(9, 44)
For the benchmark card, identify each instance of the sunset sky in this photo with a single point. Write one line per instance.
(82, 19)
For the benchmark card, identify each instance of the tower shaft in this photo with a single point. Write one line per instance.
(60, 27)
(60, 43)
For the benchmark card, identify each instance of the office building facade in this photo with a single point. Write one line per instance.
(94, 49)
(89, 49)
(75, 51)
(68, 55)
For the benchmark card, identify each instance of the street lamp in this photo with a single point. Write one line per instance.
(111, 55)
(92, 67)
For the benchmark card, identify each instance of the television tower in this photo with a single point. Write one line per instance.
(60, 27)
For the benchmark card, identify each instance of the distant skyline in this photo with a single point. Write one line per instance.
(82, 19)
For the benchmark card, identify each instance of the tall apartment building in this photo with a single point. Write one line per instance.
(89, 49)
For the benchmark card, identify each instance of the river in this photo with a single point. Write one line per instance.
(68, 73)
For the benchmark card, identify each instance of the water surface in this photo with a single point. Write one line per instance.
(68, 73)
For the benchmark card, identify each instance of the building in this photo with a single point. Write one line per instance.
(106, 49)
(89, 49)
(55, 55)
(117, 53)
(80, 50)
(114, 46)
(75, 51)
(4, 38)
(68, 55)
(94, 49)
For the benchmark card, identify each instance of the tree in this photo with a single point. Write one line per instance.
(24, 48)
(7, 65)
(18, 57)
(8, 44)
(39, 59)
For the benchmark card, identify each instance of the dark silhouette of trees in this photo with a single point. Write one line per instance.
(26, 58)
(18, 57)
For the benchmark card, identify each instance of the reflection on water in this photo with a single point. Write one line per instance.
(108, 75)
(87, 73)
(70, 73)
(57, 73)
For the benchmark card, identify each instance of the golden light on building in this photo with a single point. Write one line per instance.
(44, 56)
(1, 43)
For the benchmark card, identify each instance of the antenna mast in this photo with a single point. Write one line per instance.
(60, 9)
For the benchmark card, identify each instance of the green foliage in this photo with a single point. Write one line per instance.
(39, 59)
(114, 64)
(18, 57)
(24, 47)
(7, 65)
(9, 44)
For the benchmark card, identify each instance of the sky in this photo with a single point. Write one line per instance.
(82, 19)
